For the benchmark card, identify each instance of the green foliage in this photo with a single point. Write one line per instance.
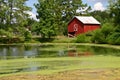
(114, 38)
(12, 13)
(47, 26)
(107, 29)
(101, 35)
(27, 35)
(8, 37)
(102, 16)
(114, 8)
(13, 19)
(98, 37)
(81, 38)
(54, 18)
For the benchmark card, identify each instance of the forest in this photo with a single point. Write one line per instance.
(16, 26)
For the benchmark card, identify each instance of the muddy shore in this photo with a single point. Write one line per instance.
(92, 74)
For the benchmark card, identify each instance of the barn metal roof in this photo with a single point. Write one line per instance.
(87, 19)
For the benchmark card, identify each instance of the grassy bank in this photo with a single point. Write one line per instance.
(53, 65)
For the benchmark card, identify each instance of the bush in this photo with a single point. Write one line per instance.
(114, 38)
(9, 37)
(98, 37)
(90, 33)
(5, 36)
(81, 38)
(4, 33)
(107, 29)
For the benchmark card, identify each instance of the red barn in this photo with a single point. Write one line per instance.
(82, 24)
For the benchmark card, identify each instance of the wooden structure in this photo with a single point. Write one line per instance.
(82, 24)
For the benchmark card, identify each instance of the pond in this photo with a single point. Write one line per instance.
(27, 53)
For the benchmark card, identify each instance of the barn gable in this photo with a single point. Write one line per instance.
(82, 24)
(87, 20)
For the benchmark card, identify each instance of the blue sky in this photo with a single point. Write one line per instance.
(95, 4)
(31, 4)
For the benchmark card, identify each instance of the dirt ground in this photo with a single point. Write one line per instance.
(93, 74)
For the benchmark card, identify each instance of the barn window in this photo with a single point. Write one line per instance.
(75, 27)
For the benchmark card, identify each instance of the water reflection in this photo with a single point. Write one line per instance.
(105, 51)
(29, 69)
(13, 52)
(29, 51)
(77, 53)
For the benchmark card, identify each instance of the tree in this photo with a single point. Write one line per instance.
(66, 9)
(54, 15)
(47, 25)
(102, 16)
(3, 9)
(13, 13)
(114, 7)
(13, 18)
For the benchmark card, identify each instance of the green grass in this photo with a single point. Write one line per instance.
(58, 64)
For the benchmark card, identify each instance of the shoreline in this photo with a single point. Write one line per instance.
(84, 44)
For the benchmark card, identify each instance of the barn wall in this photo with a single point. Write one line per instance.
(91, 27)
(71, 24)
(79, 26)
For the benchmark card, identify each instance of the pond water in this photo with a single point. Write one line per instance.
(46, 51)
(22, 51)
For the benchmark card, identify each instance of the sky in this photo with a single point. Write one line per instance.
(95, 4)
(33, 13)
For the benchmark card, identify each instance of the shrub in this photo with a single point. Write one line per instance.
(4, 33)
(107, 29)
(114, 38)
(90, 33)
(81, 38)
(98, 37)
(5, 36)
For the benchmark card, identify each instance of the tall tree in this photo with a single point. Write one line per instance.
(67, 9)
(13, 18)
(13, 12)
(47, 26)
(114, 7)
(55, 14)
(102, 16)
(3, 10)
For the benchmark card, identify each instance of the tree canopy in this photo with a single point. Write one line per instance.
(54, 15)
(114, 7)
(13, 13)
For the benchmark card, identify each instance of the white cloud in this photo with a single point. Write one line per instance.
(98, 6)
(32, 15)
(98, 0)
